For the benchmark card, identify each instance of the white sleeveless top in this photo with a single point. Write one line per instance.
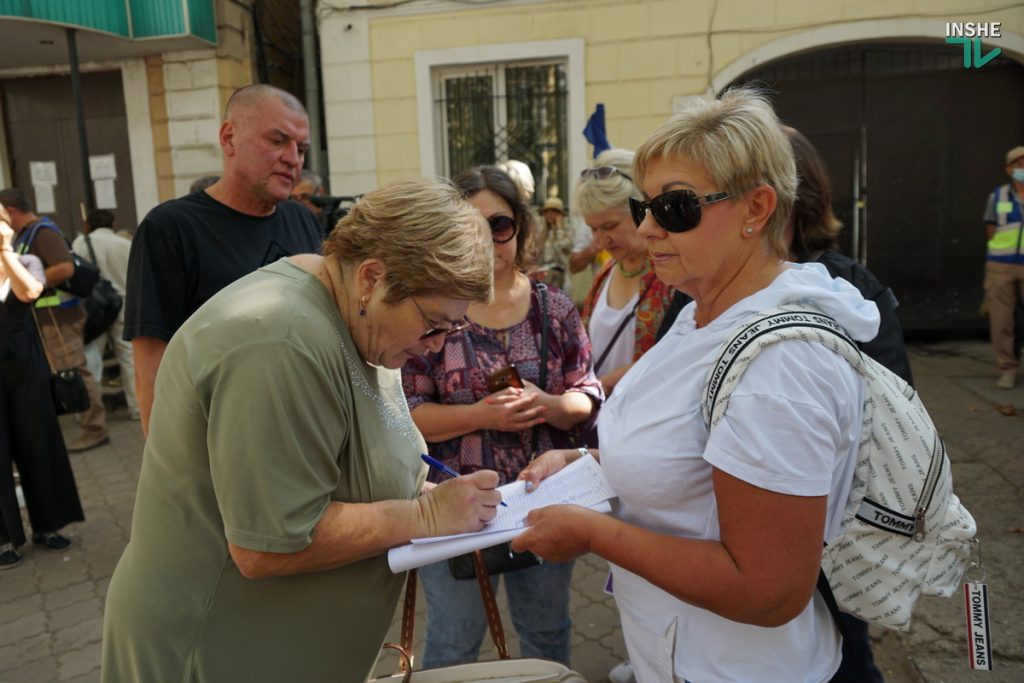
(604, 320)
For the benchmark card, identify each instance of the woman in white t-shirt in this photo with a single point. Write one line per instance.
(626, 303)
(716, 539)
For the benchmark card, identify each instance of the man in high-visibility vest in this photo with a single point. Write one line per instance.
(61, 316)
(1004, 265)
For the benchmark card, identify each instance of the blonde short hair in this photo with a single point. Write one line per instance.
(431, 241)
(594, 195)
(738, 141)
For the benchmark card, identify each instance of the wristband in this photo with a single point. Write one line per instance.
(584, 451)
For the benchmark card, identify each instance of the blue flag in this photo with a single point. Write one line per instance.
(595, 132)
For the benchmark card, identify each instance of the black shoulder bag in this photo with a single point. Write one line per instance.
(102, 305)
(501, 558)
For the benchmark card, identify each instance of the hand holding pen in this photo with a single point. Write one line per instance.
(444, 469)
(461, 504)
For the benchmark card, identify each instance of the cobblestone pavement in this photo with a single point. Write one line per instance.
(51, 606)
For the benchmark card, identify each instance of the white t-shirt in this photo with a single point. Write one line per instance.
(604, 321)
(792, 427)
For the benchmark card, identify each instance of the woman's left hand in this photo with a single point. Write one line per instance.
(563, 411)
(558, 533)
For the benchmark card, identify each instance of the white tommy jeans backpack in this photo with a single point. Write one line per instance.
(904, 533)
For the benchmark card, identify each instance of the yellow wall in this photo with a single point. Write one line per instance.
(639, 55)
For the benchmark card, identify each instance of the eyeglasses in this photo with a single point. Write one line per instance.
(603, 173)
(503, 228)
(675, 210)
(436, 327)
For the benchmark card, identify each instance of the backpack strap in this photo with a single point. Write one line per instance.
(801, 322)
(804, 323)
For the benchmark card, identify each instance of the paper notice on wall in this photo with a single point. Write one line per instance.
(43, 172)
(106, 197)
(102, 167)
(44, 198)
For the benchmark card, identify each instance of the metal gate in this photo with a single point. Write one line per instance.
(499, 112)
(914, 144)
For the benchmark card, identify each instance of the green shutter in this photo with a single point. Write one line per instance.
(109, 16)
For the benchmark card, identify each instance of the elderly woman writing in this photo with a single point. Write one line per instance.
(717, 539)
(282, 461)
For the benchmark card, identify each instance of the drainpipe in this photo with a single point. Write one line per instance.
(83, 142)
(315, 155)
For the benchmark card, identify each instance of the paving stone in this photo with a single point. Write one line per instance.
(78, 635)
(76, 613)
(63, 597)
(20, 607)
(40, 670)
(26, 650)
(15, 631)
(76, 663)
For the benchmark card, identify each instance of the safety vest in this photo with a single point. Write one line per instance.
(54, 298)
(1005, 245)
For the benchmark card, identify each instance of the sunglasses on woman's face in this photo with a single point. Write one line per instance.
(439, 328)
(503, 228)
(675, 210)
(603, 173)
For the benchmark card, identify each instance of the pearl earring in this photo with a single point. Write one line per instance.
(749, 230)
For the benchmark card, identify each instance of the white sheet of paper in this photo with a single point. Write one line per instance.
(581, 483)
(44, 198)
(106, 197)
(414, 555)
(43, 173)
(102, 167)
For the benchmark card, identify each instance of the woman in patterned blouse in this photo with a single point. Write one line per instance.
(469, 428)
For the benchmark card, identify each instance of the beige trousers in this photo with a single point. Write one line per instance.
(1004, 282)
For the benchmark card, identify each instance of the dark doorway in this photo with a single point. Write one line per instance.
(40, 118)
(914, 143)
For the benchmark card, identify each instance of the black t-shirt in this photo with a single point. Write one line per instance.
(188, 249)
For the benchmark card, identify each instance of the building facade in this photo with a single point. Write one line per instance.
(430, 87)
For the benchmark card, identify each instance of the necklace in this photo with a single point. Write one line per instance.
(642, 270)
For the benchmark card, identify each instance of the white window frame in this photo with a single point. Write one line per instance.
(571, 50)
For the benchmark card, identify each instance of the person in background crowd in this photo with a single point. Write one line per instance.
(1004, 265)
(282, 462)
(30, 435)
(468, 427)
(111, 256)
(626, 303)
(554, 243)
(60, 315)
(814, 231)
(716, 541)
(188, 249)
(585, 259)
(310, 185)
(200, 184)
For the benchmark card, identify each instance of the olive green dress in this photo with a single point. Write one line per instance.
(264, 415)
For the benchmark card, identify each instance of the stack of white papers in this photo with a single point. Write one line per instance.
(581, 483)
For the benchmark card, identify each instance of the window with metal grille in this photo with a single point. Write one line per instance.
(496, 112)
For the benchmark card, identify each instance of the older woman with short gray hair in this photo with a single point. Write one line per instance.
(282, 461)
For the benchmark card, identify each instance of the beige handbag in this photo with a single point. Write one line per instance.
(505, 670)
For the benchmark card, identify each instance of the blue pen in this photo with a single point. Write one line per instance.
(441, 467)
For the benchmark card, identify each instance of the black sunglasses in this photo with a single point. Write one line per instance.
(603, 173)
(675, 210)
(436, 327)
(503, 228)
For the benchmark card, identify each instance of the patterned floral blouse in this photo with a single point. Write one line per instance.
(649, 312)
(456, 375)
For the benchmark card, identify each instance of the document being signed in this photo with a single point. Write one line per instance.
(581, 483)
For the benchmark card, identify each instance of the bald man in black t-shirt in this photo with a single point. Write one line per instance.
(188, 249)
